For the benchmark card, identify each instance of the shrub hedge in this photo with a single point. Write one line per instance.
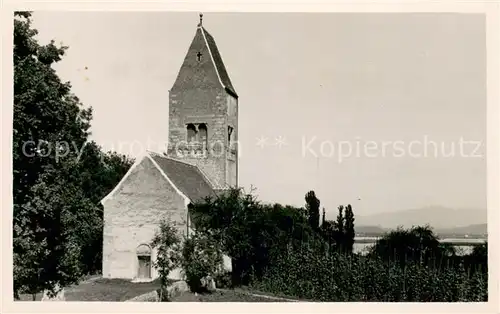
(343, 278)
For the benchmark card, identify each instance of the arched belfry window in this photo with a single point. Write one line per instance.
(229, 135)
(143, 253)
(203, 134)
(191, 133)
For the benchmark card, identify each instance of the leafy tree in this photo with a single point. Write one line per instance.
(312, 206)
(98, 172)
(167, 242)
(45, 112)
(480, 250)
(329, 234)
(235, 220)
(478, 258)
(250, 232)
(47, 250)
(349, 229)
(339, 234)
(46, 115)
(58, 176)
(418, 244)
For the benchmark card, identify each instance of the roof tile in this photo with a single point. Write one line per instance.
(186, 177)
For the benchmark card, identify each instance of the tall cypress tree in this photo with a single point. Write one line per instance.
(349, 229)
(339, 229)
(323, 219)
(312, 205)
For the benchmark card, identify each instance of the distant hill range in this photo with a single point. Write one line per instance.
(446, 222)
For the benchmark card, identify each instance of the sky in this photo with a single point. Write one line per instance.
(386, 112)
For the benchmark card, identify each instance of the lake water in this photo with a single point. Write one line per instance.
(364, 244)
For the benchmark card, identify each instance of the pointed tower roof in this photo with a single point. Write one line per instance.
(217, 59)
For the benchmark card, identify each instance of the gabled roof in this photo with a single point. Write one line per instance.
(219, 64)
(186, 177)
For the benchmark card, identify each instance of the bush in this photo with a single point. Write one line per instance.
(201, 257)
(418, 244)
(223, 279)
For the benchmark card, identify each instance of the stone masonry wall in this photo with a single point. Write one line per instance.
(197, 96)
(132, 217)
(233, 153)
(213, 162)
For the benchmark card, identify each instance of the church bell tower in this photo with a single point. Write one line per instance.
(203, 113)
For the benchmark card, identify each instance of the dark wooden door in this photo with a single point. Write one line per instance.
(144, 270)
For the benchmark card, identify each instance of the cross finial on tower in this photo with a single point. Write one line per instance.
(201, 20)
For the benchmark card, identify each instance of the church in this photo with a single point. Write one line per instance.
(201, 160)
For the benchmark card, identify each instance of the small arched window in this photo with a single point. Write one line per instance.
(203, 134)
(191, 133)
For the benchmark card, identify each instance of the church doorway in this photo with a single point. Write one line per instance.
(144, 261)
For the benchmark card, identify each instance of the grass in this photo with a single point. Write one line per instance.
(109, 290)
(222, 296)
(29, 297)
(246, 289)
(102, 289)
(119, 290)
